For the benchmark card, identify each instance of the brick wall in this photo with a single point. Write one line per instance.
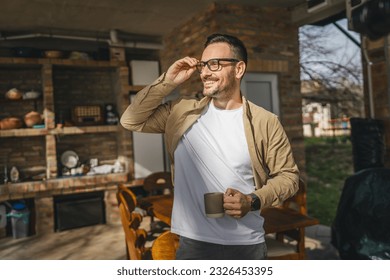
(27, 154)
(44, 212)
(379, 54)
(101, 146)
(24, 79)
(272, 43)
(77, 86)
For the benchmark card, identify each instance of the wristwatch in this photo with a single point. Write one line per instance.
(255, 202)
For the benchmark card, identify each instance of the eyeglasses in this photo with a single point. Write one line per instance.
(214, 64)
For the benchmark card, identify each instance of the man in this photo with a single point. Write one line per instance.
(222, 143)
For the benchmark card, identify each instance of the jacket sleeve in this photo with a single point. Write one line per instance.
(283, 173)
(146, 113)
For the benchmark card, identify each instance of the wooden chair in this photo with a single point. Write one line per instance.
(164, 246)
(158, 183)
(126, 196)
(135, 238)
(290, 245)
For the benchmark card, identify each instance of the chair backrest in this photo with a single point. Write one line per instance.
(290, 244)
(134, 236)
(127, 197)
(164, 246)
(158, 183)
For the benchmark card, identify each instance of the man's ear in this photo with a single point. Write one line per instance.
(240, 69)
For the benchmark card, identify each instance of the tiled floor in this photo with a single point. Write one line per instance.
(106, 242)
(317, 242)
(101, 242)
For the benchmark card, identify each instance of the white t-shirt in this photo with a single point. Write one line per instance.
(212, 156)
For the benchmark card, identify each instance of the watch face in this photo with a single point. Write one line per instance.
(255, 204)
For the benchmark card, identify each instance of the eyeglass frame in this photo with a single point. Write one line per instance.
(201, 64)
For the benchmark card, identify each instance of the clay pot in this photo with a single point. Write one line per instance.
(14, 94)
(10, 123)
(32, 118)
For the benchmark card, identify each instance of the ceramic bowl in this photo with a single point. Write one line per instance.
(31, 95)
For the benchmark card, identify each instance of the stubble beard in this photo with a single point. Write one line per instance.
(218, 92)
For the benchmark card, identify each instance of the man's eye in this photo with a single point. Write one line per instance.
(213, 62)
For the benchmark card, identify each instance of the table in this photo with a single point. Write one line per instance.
(276, 219)
(159, 205)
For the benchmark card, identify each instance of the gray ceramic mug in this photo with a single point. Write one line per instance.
(213, 204)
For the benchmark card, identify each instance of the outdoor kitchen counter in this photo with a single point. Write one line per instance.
(58, 186)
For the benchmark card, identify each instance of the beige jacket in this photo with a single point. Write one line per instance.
(276, 174)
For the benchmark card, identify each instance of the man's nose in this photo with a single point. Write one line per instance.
(205, 72)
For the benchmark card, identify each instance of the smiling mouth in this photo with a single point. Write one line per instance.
(208, 83)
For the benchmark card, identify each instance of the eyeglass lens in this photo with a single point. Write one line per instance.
(213, 64)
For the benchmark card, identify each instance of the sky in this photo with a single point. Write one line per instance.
(342, 50)
(346, 48)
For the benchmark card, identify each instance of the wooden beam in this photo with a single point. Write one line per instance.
(302, 16)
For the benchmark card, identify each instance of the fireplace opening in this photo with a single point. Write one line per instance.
(79, 210)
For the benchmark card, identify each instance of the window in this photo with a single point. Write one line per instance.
(262, 89)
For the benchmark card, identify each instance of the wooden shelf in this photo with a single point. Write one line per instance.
(10, 101)
(64, 62)
(23, 132)
(84, 129)
(44, 72)
(27, 132)
(87, 180)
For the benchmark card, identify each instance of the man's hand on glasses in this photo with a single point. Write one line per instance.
(181, 70)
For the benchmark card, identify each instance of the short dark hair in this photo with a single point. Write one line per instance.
(236, 45)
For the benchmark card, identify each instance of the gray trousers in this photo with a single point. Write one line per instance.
(190, 249)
